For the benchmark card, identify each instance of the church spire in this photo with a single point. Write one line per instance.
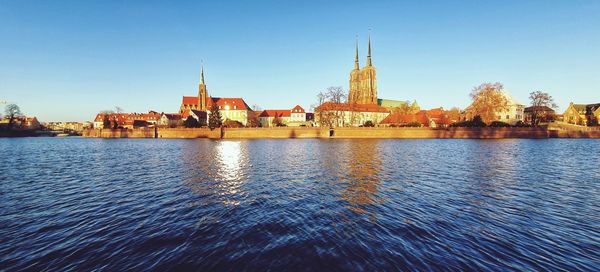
(202, 93)
(356, 66)
(202, 74)
(369, 55)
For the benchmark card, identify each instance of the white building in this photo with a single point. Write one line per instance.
(294, 117)
(514, 113)
(349, 115)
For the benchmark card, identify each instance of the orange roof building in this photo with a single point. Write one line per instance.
(234, 109)
(343, 114)
(292, 117)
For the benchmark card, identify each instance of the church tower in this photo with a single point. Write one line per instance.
(354, 95)
(368, 81)
(202, 93)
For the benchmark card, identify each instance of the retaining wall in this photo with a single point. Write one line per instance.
(119, 133)
(187, 133)
(277, 132)
(428, 133)
(341, 133)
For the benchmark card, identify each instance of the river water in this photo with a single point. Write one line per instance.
(372, 205)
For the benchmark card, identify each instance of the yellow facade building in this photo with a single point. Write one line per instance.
(231, 109)
(582, 114)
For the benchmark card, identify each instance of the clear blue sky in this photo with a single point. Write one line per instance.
(67, 60)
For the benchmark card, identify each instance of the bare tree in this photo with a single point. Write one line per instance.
(331, 105)
(337, 96)
(12, 111)
(253, 118)
(488, 100)
(319, 109)
(540, 103)
(118, 109)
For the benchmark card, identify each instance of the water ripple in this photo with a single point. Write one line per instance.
(366, 205)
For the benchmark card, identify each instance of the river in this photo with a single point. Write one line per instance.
(371, 205)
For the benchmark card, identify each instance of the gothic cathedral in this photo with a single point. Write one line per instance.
(363, 82)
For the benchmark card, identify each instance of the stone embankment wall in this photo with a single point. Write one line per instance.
(573, 134)
(341, 133)
(119, 133)
(188, 133)
(277, 132)
(450, 133)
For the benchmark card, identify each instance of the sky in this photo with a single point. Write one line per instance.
(68, 60)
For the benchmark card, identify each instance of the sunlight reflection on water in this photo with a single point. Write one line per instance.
(136, 204)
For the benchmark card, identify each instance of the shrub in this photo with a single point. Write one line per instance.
(412, 124)
(499, 124)
(191, 122)
(521, 124)
(369, 124)
(476, 122)
(232, 124)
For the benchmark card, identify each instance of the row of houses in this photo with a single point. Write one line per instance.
(21, 122)
(363, 108)
(136, 120)
(340, 114)
(67, 126)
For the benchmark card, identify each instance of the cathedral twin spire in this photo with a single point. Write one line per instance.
(369, 62)
(363, 82)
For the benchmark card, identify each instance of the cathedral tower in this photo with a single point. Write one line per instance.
(202, 93)
(363, 82)
(368, 81)
(353, 96)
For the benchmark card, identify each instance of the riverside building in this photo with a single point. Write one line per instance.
(232, 109)
(363, 105)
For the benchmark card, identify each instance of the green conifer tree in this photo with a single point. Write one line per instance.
(215, 120)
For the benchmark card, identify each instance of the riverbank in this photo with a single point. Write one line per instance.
(341, 133)
(18, 133)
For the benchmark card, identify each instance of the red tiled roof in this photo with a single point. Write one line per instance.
(298, 109)
(172, 116)
(275, 113)
(351, 107)
(233, 103)
(395, 118)
(99, 117)
(198, 113)
(150, 116)
(190, 100)
(436, 113)
(282, 113)
(222, 102)
(123, 118)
